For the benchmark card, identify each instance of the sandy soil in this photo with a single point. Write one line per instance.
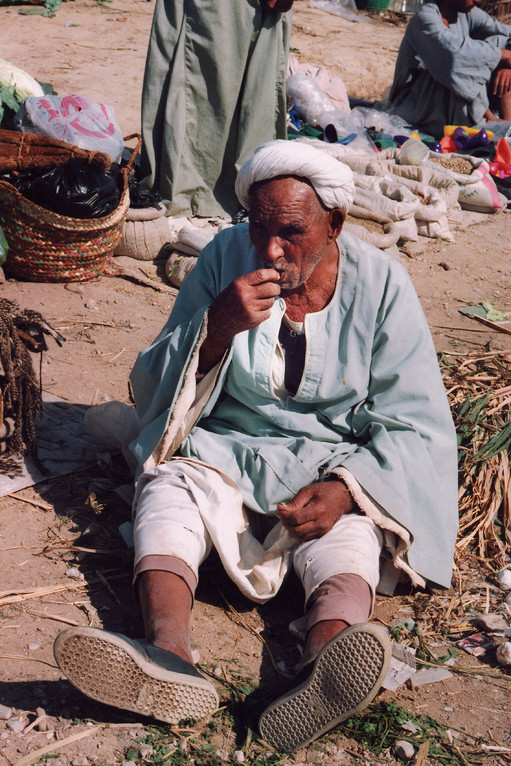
(98, 51)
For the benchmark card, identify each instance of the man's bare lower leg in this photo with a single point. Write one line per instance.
(318, 636)
(166, 603)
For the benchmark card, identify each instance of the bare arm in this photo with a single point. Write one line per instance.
(244, 304)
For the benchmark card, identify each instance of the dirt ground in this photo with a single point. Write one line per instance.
(62, 535)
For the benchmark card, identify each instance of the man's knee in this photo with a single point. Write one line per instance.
(353, 546)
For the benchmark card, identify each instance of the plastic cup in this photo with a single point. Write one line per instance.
(413, 152)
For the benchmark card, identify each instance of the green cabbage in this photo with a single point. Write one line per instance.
(15, 86)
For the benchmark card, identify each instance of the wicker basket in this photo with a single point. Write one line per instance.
(47, 247)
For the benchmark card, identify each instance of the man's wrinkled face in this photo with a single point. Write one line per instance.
(289, 228)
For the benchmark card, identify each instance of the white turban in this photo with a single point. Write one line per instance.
(331, 179)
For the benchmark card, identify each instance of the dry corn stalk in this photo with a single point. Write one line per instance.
(479, 390)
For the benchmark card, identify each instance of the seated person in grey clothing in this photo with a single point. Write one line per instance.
(453, 68)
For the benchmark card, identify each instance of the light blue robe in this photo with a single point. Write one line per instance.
(371, 397)
(442, 72)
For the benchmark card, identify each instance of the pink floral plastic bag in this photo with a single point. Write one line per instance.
(74, 119)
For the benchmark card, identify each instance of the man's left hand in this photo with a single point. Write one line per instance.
(502, 82)
(315, 509)
(281, 6)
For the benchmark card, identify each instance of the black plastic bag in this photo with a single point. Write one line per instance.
(503, 185)
(76, 190)
(140, 196)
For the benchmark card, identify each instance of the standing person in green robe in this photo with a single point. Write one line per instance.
(214, 89)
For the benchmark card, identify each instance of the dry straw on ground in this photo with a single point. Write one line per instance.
(479, 390)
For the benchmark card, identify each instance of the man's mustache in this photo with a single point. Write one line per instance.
(279, 265)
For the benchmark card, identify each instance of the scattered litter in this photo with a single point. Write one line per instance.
(74, 573)
(448, 709)
(63, 445)
(404, 750)
(411, 727)
(402, 667)
(404, 622)
(480, 314)
(34, 647)
(477, 645)
(441, 656)
(504, 653)
(41, 722)
(15, 725)
(92, 529)
(492, 622)
(298, 629)
(430, 676)
(493, 313)
(504, 579)
(5, 713)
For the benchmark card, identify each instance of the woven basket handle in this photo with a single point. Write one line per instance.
(129, 165)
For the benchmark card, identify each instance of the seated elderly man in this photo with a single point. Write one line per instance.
(292, 414)
(453, 67)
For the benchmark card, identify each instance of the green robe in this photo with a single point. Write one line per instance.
(214, 90)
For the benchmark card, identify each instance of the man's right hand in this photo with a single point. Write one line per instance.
(505, 58)
(502, 82)
(244, 304)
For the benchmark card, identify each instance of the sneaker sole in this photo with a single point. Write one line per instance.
(109, 669)
(346, 676)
